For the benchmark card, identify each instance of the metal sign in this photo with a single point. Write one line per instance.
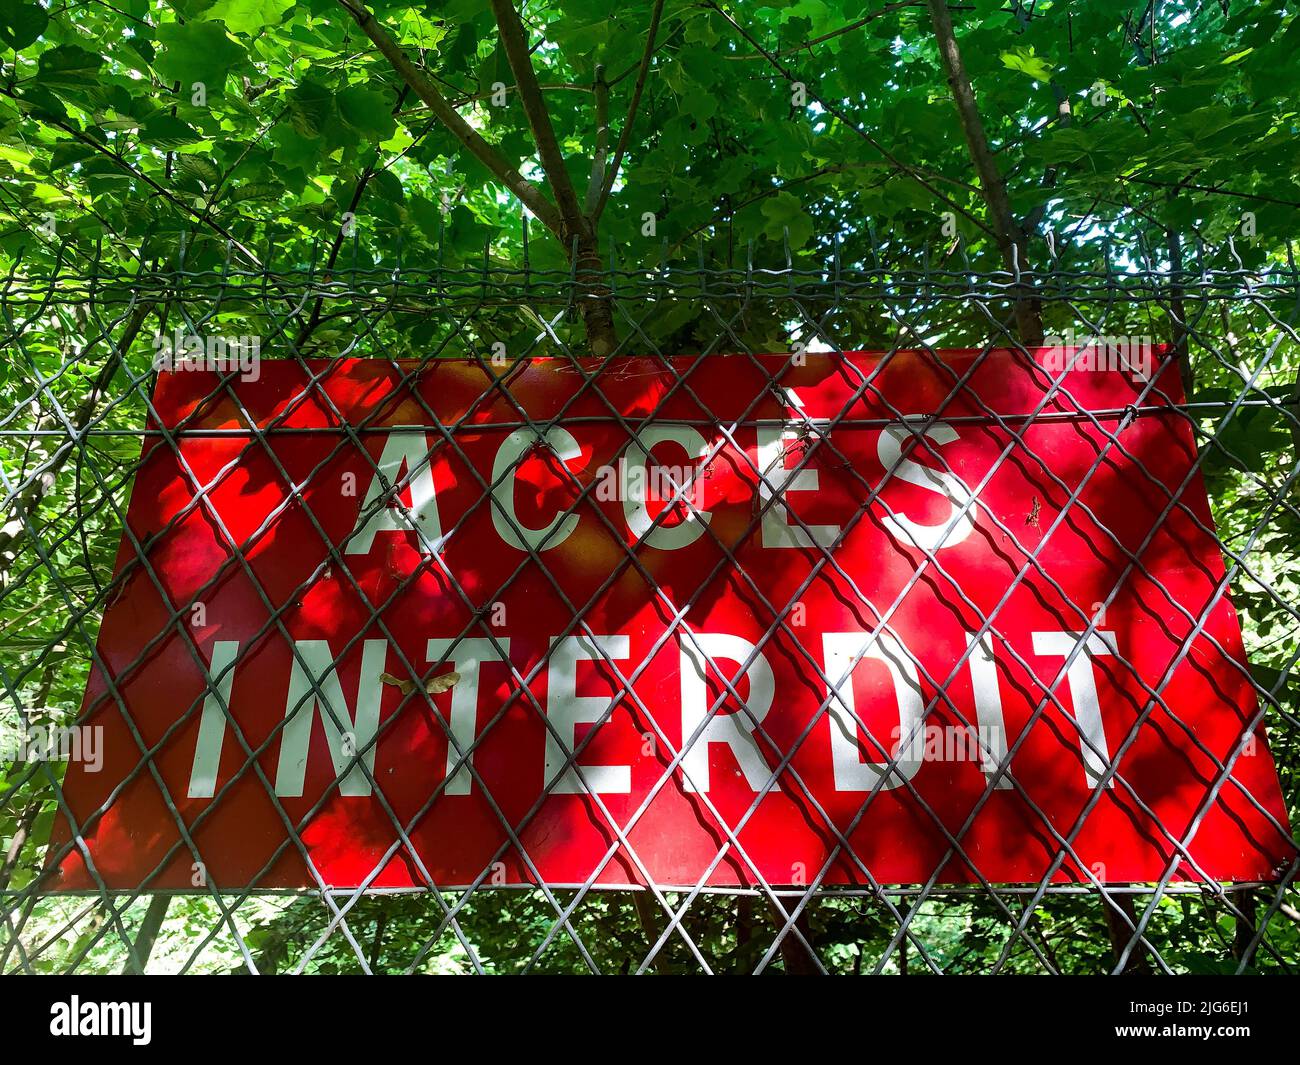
(716, 620)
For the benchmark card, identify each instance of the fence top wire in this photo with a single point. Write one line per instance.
(1131, 275)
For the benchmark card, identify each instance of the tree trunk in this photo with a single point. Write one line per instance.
(799, 959)
(647, 917)
(1178, 314)
(596, 305)
(1121, 933)
(1243, 941)
(564, 219)
(148, 934)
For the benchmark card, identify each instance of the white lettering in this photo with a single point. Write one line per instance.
(1081, 677)
(409, 452)
(300, 709)
(961, 520)
(468, 655)
(736, 730)
(565, 710)
(778, 480)
(504, 517)
(843, 651)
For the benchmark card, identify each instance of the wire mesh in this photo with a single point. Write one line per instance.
(78, 405)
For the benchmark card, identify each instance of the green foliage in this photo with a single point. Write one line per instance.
(1194, 107)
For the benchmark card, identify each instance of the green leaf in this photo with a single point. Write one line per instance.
(292, 150)
(387, 185)
(1025, 61)
(198, 52)
(198, 169)
(21, 24)
(167, 131)
(249, 16)
(41, 103)
(68, 152)
(190, 9)
(784, 212)
(144, 49)
(311, 106)
(367, 111)
(68, 67)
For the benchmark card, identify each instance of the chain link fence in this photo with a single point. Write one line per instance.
(77, 404)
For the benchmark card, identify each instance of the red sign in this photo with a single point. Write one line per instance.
(700, 619)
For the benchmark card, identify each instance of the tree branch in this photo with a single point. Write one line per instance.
(573, 224)
(904, 168)
(807, 46)
(564, 218)
(202, 217)
(1063, 118)
(1009, 236)
(26, 501)
(147, 935)
(528, 193)
(577, 233)
(309, 326)
(598, 159)
(729, 211)
(626, 132)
